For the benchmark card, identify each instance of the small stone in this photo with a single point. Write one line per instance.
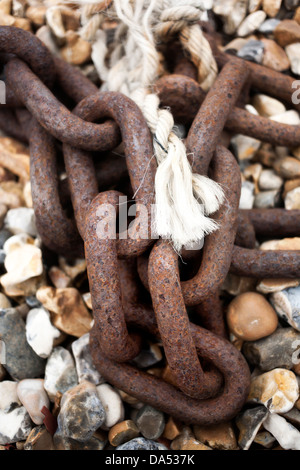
(251, 23)
(186, 441)
(4, 302)
(267, 199)
(148, 357)
(96, 442)
(269, 286)
(288, 167)
(271, 7)
(268, 26)
(15, 425)
(292, 199)
(287, 305)
(4, 236)
(39, 439)
(77, 52)
(20, 360)
(275, 351)
(232, 13)
(44, 34)
(268, 180)
(33, 397)
(284, 244)
(122, 432)
(235, 44)
(8, 395)
(21, 220)
(245, 147)
(254, 5)
(287, 32)
(251, 317)
(285, 433)
(291, 4)
(60, 372)
(77, 267)
(59, 278)
(293, 52)
(15, 157)
(140, 443)
(274, 56)
(293, 416)
(134, 402)
(247, 195)
(33, 302)
(40, 332)
(267, 106)
(55, 22)
(172, 429)
(219, 436)
(36, 14)
(253, 51)
(265, 439)
(84, 362)
(249, 423)
(81, 412)
(112, 404)
(150, 422)
(253, 172)
(70, 314)
(288, 117)
(278, 390)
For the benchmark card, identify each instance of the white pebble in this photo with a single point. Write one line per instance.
(40, 333)
(247, 195)
(251, 23)
(112, 404)
(293, 53)
(21, 220)
(285, 433)
(8, 395)
(33, 397)
(60, 372)
(269, 180)
(289, 117)
(86, 370)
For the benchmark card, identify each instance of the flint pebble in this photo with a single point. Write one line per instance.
(21, 220)
(112, 404)
(285, 433)
(60, 372)
(33, 397)
(287, 305)
(150, 422)
(84, 363)
(249, 423)
(140, 443)
(40, 332)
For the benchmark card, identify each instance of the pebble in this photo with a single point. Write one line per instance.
(78, 51)
(4, 302)
(249, 423)
(292, 199)
(267, 199)
(251, 317)
(40, 332)
(253, 50)
(235, 44)
(8, 395)
(293, 53)
(77, 267)
(287, 32)
(84, 362)
(122, 432)
(39, 439)
(287, 305)
(275, 351)
(21, 361)
(252, 173)
(59, 278)
(277, 390)
(44, 34)
(15, 425)
(285, 433)
(236, 285)
(32, 302)
(4, 236)
(81, 412)
(112, 404)
(15, 242)
(274, 56)
(148, 357)
(251, 23)
(36, 14)
(271, 7)
(267, 106)
(245, 147)
(269, 180)
(269, 286)
(33, 397)
(247, 195)
(288, 117)
(21, 220)
(70, 314)
(284, 244)
(140, 443)
(60, 372)
(22, 264)
(232, 13)
(187, 441)
(219, 436)
(172, 429)
(293, 416)
(287, 167)
(265, 439)
(96, 442)
(150, 422)
(268, 26)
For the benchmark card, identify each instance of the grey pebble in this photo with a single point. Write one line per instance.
(150, 422)
(268, 26)
(249, 423)
(21, 362)
(274, 351)
(140, 443)
(64, 443)
(252, 51)
(4, 235)
(33, 302)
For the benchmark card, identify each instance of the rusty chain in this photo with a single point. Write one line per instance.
(212, 377)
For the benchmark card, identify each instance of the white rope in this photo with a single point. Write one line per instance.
(183, 200)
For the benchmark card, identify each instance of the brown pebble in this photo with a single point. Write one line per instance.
(122, 432)
(39, 439)
(287, 32)
(172, 429)
(220, 436)
(274, 56)
(251, 317)
(288, 167)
